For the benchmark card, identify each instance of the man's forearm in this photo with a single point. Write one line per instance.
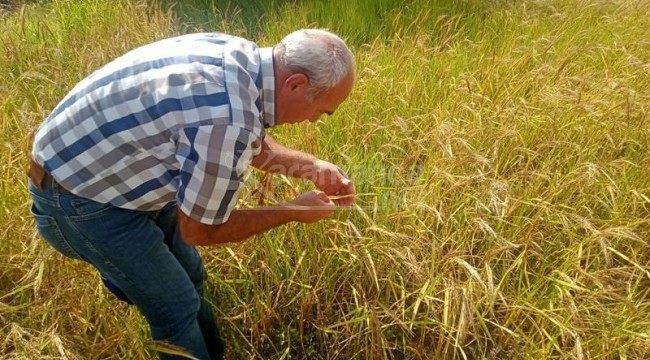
(278, 159)
(240, 225)
(327, 177)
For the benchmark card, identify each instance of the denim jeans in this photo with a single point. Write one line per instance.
(141, 252)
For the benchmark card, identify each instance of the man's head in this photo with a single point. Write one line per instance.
(314, 74)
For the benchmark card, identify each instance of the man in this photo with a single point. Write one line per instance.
(144, 159)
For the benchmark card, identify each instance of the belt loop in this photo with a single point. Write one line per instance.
(56, 188)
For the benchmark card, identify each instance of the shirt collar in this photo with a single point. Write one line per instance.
(268, 86)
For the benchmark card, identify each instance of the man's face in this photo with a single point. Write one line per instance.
(293, 106)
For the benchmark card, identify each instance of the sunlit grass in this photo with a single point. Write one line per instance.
(502, 148)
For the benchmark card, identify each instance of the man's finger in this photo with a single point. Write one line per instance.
(342, 172)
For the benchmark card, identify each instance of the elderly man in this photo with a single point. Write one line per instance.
(144, 159)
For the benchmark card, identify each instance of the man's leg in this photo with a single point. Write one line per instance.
(190, 259)
(128, 248)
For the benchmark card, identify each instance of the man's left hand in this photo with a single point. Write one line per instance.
(334, 182)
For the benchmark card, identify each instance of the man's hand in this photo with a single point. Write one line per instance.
(333, 181)
(311, 206)
(242, 223)
(327, 177)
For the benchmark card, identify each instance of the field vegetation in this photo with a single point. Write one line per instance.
(501, 153)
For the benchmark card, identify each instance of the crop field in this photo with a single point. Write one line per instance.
(500, 149)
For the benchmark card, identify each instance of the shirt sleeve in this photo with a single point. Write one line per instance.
(213, 162)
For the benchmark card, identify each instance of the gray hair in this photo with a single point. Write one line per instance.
(319, 54)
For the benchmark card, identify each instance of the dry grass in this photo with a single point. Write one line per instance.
(505, 148)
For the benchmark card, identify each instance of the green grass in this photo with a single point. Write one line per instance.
(503, 147)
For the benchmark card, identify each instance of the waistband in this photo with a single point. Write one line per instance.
(42, 179)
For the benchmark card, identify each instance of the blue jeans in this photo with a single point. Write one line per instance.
(141, 252)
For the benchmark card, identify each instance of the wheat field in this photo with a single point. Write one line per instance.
(501, 153)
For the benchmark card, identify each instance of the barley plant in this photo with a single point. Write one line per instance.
(501, 154)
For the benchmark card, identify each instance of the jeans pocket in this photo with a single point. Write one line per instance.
(50, 231)
(85, 208)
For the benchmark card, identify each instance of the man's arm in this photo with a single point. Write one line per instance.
(327, 177)
(278, 159)
(308, 207)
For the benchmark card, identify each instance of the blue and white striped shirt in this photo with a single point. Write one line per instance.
(176, 120)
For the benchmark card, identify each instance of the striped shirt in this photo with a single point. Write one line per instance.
(176, 120)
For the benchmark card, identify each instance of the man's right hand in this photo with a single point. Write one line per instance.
(242, 223)
(311, 206)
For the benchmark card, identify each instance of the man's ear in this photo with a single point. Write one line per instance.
(297, 83)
